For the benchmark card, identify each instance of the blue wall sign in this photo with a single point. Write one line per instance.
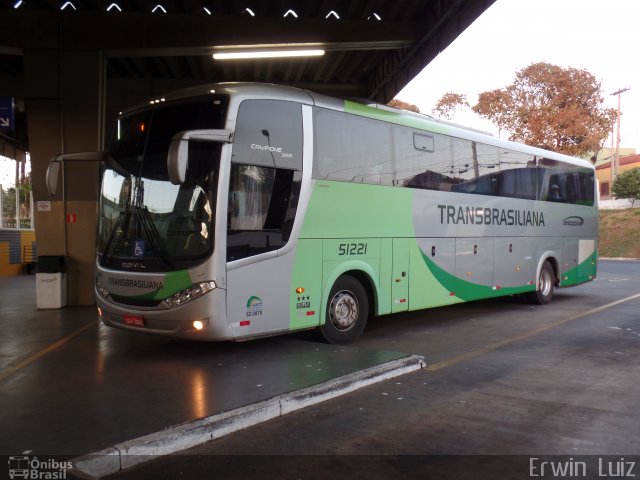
(7, 114)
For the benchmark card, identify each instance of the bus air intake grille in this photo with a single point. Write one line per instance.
(137, 302)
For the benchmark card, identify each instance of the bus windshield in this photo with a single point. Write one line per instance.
(147, 223)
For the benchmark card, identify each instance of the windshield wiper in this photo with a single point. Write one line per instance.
(107, 245)
(151, 232)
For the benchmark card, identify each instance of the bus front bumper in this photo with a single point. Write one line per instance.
(182, 321)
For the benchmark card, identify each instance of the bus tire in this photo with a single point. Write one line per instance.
(544, 287)
(347, 311)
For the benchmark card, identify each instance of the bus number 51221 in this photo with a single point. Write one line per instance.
(352, 249)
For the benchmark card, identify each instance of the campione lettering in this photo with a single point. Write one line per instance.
(268, 148)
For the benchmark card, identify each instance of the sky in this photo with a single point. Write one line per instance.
(600, 36)
(8, 172)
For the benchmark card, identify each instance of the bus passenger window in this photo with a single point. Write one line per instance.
(554, 193)
(269, 133)
(423, 143)
(350, 148)
(261, 208)
(421, 160)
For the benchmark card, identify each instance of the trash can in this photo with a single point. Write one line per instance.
(51, 282)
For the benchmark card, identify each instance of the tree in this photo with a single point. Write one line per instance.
(548, 106)
(495, 106)
(9, 202)
(403, 105)
(627, 185)
(448, 104)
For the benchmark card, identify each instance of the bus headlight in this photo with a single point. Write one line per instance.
(198, 325)
(190, 293)
(103, 292)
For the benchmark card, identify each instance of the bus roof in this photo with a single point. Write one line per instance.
(358, 107)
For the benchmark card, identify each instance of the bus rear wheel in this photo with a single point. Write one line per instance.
(347, 311)
(545, 286)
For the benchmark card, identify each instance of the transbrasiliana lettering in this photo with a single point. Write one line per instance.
(126, 282)
(459, 215)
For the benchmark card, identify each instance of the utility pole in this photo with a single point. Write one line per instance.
(616, 163)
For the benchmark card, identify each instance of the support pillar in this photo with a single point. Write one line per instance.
(64, 104)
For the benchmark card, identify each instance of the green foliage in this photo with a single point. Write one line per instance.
(9, 201)
(619, 233)
(627, 185)
(550, 107)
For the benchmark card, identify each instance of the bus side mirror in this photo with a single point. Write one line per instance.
(178, 155)
(52, 176)
(53, 169)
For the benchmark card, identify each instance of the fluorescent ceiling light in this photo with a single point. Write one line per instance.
(281, 53)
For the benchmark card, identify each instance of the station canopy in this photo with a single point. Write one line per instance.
(372, 48)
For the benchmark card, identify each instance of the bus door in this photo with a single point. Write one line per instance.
(264, 187)
(514, 262)
(569, 275)
(400, 275)
(587, 264)
(474, 265)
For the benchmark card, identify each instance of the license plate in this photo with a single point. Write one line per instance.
(134, 320)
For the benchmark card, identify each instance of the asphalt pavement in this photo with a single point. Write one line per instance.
(507, 387)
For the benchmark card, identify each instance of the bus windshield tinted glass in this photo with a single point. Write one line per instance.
(147, 223)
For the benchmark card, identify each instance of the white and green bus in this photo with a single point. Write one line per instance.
(234, 211)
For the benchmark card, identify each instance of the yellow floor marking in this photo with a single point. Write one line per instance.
(493, 346)
(29, 360)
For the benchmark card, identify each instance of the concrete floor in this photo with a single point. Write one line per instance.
(70, 386)
(505, 382)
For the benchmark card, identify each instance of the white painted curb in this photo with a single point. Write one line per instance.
(181, 437)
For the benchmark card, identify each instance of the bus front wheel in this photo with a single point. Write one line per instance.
(546, 285)
(347, 311)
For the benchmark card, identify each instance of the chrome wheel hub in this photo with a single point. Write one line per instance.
(344, 310)
(545, 283)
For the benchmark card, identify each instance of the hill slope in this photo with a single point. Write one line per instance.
(620, 233)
